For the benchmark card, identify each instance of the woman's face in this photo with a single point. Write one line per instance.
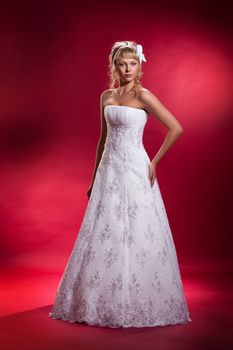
(127, 68)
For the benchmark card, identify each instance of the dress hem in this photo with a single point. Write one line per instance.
(89, 323)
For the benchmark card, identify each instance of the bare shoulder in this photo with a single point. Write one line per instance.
(146, 98)
(105, 94)
(149, 100)
(145, 94)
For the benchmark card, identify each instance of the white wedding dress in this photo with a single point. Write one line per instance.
(123, 270)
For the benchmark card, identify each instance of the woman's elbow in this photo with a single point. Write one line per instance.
(181, 130)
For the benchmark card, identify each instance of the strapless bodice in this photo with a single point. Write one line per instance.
(125, 115)
(125, 126)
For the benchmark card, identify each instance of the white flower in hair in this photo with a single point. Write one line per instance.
(140, 54)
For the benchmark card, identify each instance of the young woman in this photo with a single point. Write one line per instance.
(123, 270)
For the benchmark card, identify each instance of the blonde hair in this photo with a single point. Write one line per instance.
(120, 48)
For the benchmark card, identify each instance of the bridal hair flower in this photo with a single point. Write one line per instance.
(141, 56)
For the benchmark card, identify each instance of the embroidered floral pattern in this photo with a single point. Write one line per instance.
(135, 284)
(132, 209)
(113, 187)
(118, 211)
(99, 211)
(105, 233)
(116, 284)
(149, 233)
(89, 255)
(141, 257)
(163, 255)
(110, 257)
(156, 283)
(126, 238)
(94, 280)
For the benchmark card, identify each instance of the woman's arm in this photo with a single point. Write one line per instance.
(102, 139)
(158, 110)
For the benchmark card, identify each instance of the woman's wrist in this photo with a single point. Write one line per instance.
(154, 161)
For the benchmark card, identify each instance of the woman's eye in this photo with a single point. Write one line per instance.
(133, 63)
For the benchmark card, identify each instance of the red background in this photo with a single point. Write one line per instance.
(54, 65)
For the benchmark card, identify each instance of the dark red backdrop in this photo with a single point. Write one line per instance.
(54, 64)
